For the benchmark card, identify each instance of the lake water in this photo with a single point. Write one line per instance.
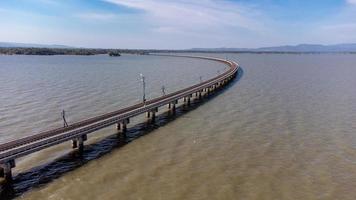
(285, 129)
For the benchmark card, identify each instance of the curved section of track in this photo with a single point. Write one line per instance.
(14, 149)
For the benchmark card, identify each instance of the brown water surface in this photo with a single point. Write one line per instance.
(285, 130)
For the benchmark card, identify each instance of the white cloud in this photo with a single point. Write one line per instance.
(353, 2)
(96, 16)
(189, 16)
(178, 24)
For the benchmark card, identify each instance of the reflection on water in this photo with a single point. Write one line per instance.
(285, 131)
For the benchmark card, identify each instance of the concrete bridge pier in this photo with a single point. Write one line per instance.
(172, 106)
(118, 126)
(74, 143)
(204, 92)
(187, 99)
(199, 95)
(216, 87)
(122, 126)
(81, 140)
(151, 115)
(6, 170)
(207, 91)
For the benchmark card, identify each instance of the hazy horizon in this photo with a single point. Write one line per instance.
(46, 45)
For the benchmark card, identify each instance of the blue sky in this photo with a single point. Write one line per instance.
(179, 24)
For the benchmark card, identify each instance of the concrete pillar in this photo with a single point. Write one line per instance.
(123, 128)
(6, 170)
(80, 144)
(188, 99)
(74, 143)
(173, 106)
(152, 114)
(123, 125)
(153, 117)
(80, 141)
(199, 95)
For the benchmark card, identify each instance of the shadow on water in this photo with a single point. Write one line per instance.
(44, 174)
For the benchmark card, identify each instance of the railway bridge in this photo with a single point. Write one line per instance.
(77, 132)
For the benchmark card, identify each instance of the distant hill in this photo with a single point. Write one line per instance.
(313, 48)
(221, 49)
(26, 45)
(302, 48)
(289, 48)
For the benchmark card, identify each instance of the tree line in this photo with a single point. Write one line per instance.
(69, 51)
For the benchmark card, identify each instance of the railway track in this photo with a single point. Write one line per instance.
(77, 132)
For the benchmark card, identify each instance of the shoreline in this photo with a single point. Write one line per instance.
(91, 52)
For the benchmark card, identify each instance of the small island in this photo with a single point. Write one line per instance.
(114, 54)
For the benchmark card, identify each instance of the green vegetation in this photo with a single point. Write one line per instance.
(118, 52)
(69, 51)
(114, 53)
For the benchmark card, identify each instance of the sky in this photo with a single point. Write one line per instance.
(179, 24)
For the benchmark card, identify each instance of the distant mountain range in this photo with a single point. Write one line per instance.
(309, 48)
(288, 48)
(26, 45)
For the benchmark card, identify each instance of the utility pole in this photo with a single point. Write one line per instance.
(163, 90)
(65, 124)
(143, 88)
